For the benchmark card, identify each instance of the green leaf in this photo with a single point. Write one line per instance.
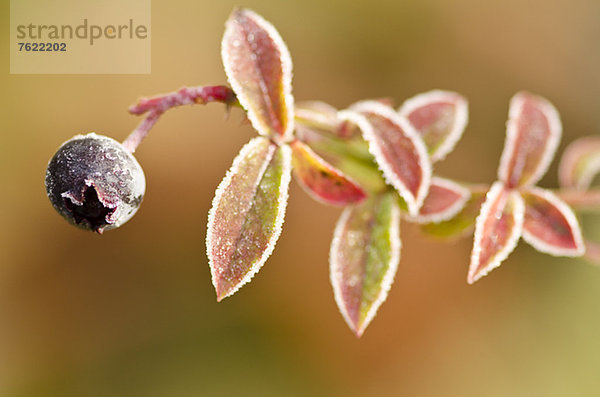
(364, 256)
(247, 214)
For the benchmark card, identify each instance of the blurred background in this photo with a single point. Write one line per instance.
(133, 312)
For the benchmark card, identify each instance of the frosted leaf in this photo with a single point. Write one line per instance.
(398, 150)
(550, 225)
(317, 114)
(247, 213)
(461, 223)
(259, 68)
(324, 117)
(444, 200)
(363, 259)
(321, 180)
(532, 136)
(580, 163)
(440, 117)
(497, 230)
(318, 107)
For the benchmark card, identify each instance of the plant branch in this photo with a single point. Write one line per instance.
(155, 106)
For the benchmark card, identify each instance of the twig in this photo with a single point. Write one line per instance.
(157, 105)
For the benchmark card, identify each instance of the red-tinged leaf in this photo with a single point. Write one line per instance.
(461, 223)
(321, 180)
(444, 200)
(532, 136)
(319, 107)
(259, 68)
(497, 230)
(317, 114)
(364, 257)
(580, 163)
(324, 117)
(550, 225)
(440, 117)
(247, 213)
(397, 148)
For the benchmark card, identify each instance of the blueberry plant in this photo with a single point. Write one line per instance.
(371, 159)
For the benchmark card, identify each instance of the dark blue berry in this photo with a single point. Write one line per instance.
(94, 182)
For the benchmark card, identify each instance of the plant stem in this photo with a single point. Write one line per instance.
(136, 136)
(157, 105)
(330, 142)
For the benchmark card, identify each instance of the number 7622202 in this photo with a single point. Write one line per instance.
(42, 47)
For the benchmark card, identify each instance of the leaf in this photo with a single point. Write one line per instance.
(363, 259)
(532, 136)
(580, 163)
(321, 180)
(550, 225)
(397, 148)
(497, 230)
(459, 224)
(247, 213)
(317, 114)
(444, 200)
(259, 68)
(440, 117)
(318, 107)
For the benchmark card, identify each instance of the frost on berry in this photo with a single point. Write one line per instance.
(259, 68)
(397, 148)
(247, 214)
(363, 259)
(532, 136)
(94, 183)
(550, 225)
(497, 230)
(321, 180)
(580, 163)
(440, 117)
(444, 200)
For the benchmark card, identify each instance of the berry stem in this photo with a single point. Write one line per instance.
(155, 106)
(140, 132)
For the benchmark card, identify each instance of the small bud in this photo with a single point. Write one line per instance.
(94, 182)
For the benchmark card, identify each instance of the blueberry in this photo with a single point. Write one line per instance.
(94, 182)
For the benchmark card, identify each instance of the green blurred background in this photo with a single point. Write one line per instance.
(133, 312)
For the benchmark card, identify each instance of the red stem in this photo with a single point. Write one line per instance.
(157, 105)
(140, 132)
